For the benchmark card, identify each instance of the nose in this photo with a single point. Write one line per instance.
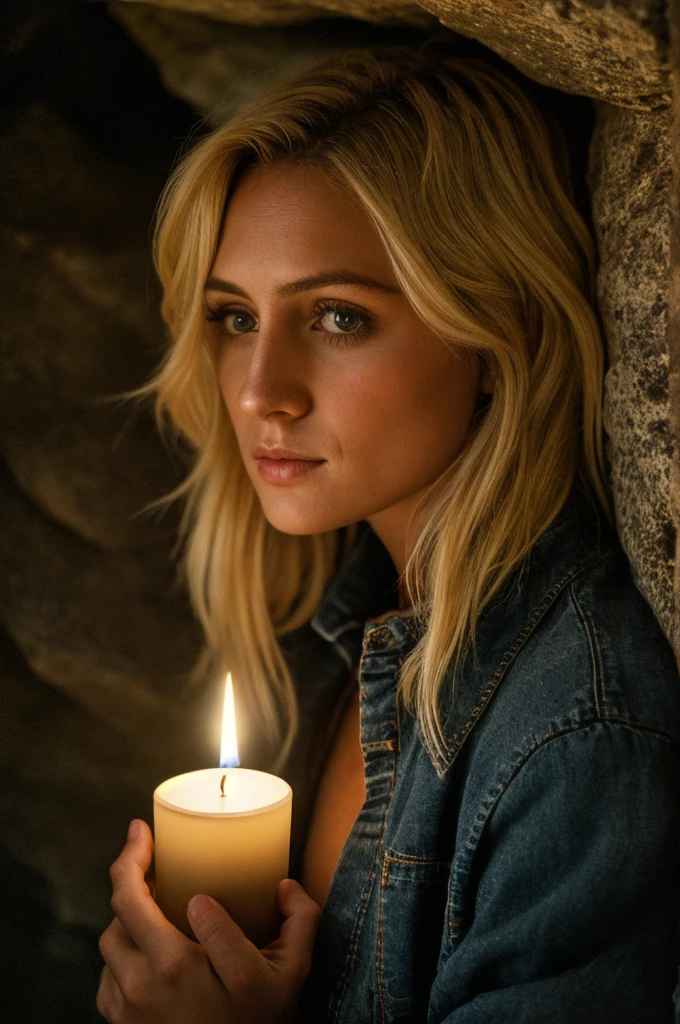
(277, 382)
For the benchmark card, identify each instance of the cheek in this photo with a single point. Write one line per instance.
(230, 381)
(422, 407)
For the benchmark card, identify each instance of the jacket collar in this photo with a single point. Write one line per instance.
(571, 545)
(366, 586)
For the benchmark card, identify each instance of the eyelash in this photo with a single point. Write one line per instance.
(218, 313)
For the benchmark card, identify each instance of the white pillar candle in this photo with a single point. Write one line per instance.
(225, 832)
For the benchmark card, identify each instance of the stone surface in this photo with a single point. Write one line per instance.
(77, 330)
(109, 629)
(630, 157)
(96, 635)
(615, 52)
(289, 12)
(70, 780)
(674, 280)
(218, 67)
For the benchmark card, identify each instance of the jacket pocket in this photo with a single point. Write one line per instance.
(411, 924)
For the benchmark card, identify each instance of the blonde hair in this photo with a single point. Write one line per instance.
(453, 164)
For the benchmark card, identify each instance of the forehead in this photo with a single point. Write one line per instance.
(291, 220)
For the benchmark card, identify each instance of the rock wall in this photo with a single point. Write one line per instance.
(615, 52)
(673, 14)
(96, 637)
(631, 157)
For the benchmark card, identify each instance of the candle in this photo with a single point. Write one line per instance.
(226, 832)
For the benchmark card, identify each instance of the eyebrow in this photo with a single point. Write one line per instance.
(306, 284)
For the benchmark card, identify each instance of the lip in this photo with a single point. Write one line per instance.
(282, 465)
(263, 452)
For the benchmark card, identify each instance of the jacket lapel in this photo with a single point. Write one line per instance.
(568, 548)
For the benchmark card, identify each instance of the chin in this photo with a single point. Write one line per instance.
(301, 527)
(301, 522)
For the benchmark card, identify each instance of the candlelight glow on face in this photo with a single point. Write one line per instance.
(229, 749)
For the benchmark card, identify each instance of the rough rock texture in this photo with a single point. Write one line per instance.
(86, 465)
(630, 156)
(674, 281)
(608, 51)
(615, 52)
(90, 602)
(218, 67)
(288, 12)
(96, 636)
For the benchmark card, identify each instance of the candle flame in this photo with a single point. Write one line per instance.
(229, 750)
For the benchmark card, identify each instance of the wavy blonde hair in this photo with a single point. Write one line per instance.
(454, 167)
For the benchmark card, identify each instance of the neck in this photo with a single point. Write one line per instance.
(399, 528)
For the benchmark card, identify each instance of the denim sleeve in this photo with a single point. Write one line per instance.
(567, 902)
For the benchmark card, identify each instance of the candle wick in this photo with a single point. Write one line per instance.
(224, 779)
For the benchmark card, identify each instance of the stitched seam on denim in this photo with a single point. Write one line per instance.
(379, 954)
(492, 800)
(364, 898)
(639, 726)
(443, 764)
(409, 858)
(394, 743)
(377, 745)
(598, 652)
(595, 660)
(388, 858)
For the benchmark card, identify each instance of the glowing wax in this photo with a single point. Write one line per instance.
(225, 832)
(234, 847)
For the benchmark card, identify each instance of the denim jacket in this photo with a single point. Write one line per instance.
(529, 874)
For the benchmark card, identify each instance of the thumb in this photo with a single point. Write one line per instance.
(228, 950)
(302, 916)
(139, 844)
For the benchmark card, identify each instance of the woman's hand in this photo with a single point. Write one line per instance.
(155, 975)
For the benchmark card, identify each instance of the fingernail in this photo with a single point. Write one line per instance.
(134, 829)
(199, 905)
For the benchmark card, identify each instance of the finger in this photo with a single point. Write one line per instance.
(117, 949)
(233, 956)
(115, 937)
(109, 998)
(132, 902)
(298, 932)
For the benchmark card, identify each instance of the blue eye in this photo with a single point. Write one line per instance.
(339, 323)
(239, 322)
(234, 321)
(341, 320)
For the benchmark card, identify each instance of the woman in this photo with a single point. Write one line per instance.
(386, 359)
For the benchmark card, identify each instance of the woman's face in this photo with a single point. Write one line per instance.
(345, 405)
